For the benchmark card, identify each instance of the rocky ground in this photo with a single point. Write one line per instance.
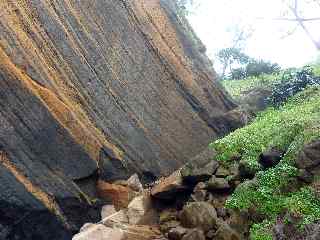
(190, 204)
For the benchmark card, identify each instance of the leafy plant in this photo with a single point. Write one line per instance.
(291, 83)
(289, 128)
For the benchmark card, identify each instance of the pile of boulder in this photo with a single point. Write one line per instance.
(190, 203)
(187, 205)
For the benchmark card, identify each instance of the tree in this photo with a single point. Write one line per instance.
(238, 73)
(229, 56)
(258, 67)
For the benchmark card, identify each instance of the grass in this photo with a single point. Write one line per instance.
(237, 88)
(288, 128)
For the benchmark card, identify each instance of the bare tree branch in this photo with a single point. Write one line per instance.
(300, 19)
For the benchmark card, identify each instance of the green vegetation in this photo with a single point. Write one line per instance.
(287, 128)
(239, 88)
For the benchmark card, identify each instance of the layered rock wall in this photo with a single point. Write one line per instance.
(94, 88)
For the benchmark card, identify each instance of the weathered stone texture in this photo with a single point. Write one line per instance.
(122, 86)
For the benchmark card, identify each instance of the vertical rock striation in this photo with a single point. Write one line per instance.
(93, 88)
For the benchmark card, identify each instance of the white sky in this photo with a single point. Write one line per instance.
(212, 18)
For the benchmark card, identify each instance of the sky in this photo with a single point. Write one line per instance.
(213, 19)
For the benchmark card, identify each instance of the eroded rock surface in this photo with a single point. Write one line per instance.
(95, 89)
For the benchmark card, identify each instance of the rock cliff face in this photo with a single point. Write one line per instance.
(98, 88)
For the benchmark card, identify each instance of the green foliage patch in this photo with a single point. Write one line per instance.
(274, 82)
(287, 128)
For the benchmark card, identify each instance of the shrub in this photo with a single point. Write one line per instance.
(258, 67)
(292, 82)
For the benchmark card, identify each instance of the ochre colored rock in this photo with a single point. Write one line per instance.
(118, 194)
(95, 88)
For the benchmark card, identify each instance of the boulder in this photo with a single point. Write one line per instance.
(167, 226)
(168, 215)
(141, 211)
(107, 211)
(257, 98)
(177, 233)
(169, 188)
(200, 192)
(231, 120)
(225, 232)
(194, 234)
(119, 195)
(240, 221)
(305, 176)
(308, 158)
(204, 158)
(142, 232)
(218, 184)
(100, 232)
(86, 226)
(134, 183)
(222, 172)
(200, 215)
(118, 217)
(270, 158)
(192, 174)
(246, 171)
